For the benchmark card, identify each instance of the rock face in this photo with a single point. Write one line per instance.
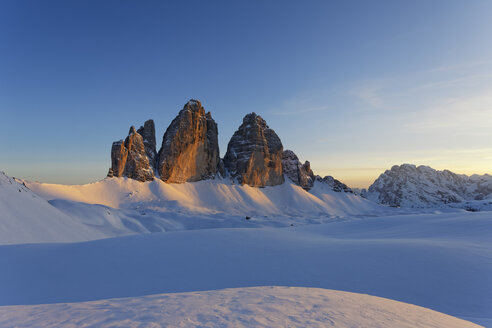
(300, 174)
(190, 152)
(410, 186)
(129, 159)
(190, 149)
(254, 154)
(147, 131)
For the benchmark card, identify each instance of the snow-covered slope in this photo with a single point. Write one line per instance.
(27, 218)
(211, 196)
(442, 262)
(121, 206)
(410, 186)
(235, 308)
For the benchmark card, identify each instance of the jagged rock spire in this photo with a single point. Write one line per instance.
(129, 159)
(147, 131)
(254, 154)
(300, 174)
(190, 148)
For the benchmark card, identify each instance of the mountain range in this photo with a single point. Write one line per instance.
(408, 185)
(190, 152)
(255, 156)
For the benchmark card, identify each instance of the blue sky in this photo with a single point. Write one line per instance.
(353, 86)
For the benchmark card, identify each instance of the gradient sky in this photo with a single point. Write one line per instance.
(352, 86)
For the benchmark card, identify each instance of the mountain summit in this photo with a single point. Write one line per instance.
(190, 148)
(130, 159)
(254, 154)
(190, 152)
(408, 185)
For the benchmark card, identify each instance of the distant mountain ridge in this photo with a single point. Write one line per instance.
(408, 185)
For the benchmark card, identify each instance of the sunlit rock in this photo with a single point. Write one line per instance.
(190, 149)
(254, 154)
(129, 159)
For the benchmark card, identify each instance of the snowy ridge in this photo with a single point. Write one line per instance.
(121, 206)
(26, 218)
(211, 196)
(410, 186)
(235, 308)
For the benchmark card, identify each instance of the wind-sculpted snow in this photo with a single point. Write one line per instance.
(120, 206)
(209, 197)
(235, 308)
(442, 262)
(27, 218)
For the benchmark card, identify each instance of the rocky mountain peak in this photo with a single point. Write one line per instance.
(128, 158)
(253, 118)
(334, 184)
(408, 185)
(147, 131)
(300, 174)
(190, 149)
(254, 154)
(190, 152)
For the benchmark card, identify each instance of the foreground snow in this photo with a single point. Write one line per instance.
(240, 307)
(442, 262)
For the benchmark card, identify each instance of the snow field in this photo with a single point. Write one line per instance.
(235, 308)
(442, 262)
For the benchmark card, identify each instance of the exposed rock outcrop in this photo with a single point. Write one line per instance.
(190, 152)
(129, 159)
(190, 148)
(300, 174)
(147, 131)
(254, 154)
(333, 183)
(407, 185)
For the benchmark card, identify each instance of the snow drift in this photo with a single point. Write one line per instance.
(120, 206)
(239, 307)
(25, 217)
(442, 262)
(210, 196)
